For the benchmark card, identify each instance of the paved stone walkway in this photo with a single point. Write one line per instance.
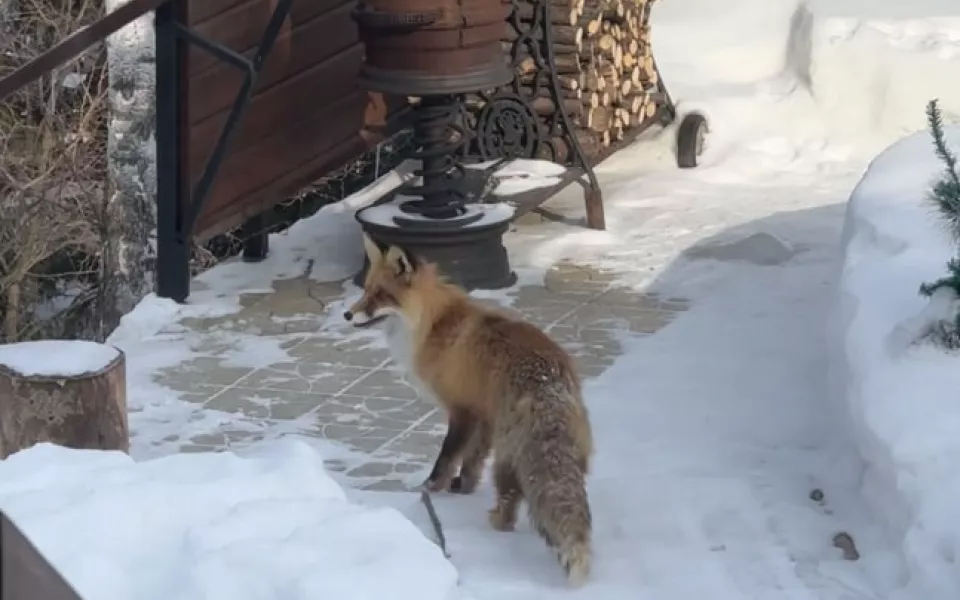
(347, 391)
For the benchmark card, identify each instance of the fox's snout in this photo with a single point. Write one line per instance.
(348, 315)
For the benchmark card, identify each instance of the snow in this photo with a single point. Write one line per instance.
(524, 175)
(712, 434)
(57, 358)
(383, 214)
(267, 525)
(905, 419)
(325, 248)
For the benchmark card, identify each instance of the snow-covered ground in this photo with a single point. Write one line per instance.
(900, 394)
(270, 524)
(725, 467)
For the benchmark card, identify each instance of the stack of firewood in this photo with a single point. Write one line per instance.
(604, 65)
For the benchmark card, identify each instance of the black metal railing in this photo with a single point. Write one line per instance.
(178, 208)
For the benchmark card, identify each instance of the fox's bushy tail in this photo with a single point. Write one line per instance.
(559, 508)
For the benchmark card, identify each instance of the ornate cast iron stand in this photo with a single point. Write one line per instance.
(416, 48)
(506, 126)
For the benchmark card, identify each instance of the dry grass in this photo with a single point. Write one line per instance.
(52, 169)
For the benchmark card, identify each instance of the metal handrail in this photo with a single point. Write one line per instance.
(76, 43)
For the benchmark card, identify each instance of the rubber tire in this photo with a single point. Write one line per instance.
(687, 134)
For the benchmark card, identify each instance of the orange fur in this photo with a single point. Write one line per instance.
(505, 385)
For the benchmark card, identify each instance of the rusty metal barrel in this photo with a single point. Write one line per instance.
(428, 47)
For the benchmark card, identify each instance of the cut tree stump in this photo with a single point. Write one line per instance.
(69, 393)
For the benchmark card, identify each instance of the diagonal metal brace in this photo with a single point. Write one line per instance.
(251, 68)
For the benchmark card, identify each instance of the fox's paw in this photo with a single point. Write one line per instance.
(463, 485)
(439, 484)
(499, 521)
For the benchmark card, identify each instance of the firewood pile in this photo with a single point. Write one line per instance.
(604, 64)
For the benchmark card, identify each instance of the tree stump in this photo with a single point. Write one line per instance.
(70, 393)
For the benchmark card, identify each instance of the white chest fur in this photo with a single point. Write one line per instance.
(401, 350)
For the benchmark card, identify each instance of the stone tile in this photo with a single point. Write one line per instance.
(589, 367)
(388, 485)
(545, 314)
(576, 281)
(584, 340)
(267, 404)
(340, 386)
(415, 447)
(407, 468)
(619, 318)
(364, 439)
(197, 448)
(593, 350)
(249, 403)
(200, 371)
(383, 383)
(392, 414)
(372, 469)
(329, 350)
(434, 422)
(303, 376)
(199, 395)
(294, 297)
(621, 296)
(216, 440)
(239, 439)
(530, 296)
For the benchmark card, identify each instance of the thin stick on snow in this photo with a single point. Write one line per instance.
(435, 520)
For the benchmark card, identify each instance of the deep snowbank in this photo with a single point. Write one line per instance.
(268, 526)
(903, 401)
(857, 71)
(872, 66)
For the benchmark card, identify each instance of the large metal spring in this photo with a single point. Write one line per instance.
(439, 139)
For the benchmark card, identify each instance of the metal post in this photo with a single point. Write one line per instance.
(256, 239)
(173, 243)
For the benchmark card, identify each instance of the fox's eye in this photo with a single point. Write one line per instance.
(386, 297)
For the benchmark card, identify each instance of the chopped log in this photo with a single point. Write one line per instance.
(651, 109)
(558, 149)
(568, 83)
(599, 119)
(604, 67)
(559, 15)
(546, 106)
(565, 65)
(70, 393)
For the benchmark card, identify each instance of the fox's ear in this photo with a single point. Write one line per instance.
(373, 251)
(401, 261)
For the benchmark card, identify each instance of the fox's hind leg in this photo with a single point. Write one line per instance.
(503, 517)
(460, 428)
(478, 449)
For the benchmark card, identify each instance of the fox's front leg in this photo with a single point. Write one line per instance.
(459, 430)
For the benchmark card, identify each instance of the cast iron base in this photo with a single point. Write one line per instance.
(473, 256)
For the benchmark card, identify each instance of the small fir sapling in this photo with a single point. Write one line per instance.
(944, 195)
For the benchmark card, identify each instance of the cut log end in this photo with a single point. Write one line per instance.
(604, 69)
(70, 393)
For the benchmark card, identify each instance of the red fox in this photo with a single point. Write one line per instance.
(504, 384)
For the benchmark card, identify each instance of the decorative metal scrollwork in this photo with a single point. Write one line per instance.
(506, 127)
(526, 118)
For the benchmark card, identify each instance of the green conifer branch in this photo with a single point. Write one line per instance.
(945, 195)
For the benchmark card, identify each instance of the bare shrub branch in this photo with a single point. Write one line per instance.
(52, 168)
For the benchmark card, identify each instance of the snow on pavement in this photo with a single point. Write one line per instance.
(711, 434)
